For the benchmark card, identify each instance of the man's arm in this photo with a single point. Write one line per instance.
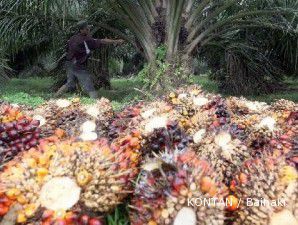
(96, 43)
(110, 41)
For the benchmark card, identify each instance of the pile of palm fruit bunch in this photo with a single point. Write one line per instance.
(225, 132)
(163, 155)
(18, 132)
(89, 122)
(68, 181)
(167, 183)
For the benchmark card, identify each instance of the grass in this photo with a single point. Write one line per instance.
(35, 91)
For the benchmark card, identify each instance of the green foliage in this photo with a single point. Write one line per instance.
(189, 28)
(161, 53)
(119, 217)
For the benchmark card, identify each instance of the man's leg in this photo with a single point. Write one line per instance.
(86, 83)
(71, 81)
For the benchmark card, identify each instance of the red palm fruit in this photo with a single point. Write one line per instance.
(20, 146)
(8, 126)
(47, 222)
(95, 221)
(4, 200)
(178, 183)
(60, 222)
(33, 143)
(23, 140)
(24, 121)
(47, 214)
(216, 124)
(4, 136)
(71, 217)
(233, 185)
(84, 220)
(35, 123)
(3, 210)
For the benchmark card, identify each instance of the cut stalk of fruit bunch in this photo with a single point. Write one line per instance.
(17, 133)
(165, 185)
(271, 186)
(70, 180)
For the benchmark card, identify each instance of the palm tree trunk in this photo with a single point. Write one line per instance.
(99, 67)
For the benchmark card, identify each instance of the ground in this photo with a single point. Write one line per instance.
(34, 91)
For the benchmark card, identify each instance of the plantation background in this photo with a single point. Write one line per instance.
(34, 91)
(230, 47)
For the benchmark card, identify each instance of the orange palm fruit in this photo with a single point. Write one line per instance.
(151, 222)
(41, 172)
(21, 218)
(232, 203)
(13, 193)
(21, 199)
(31, 162)
(30, 210)
(134, 142)
(243, 178)
(3, 210)
(60, 133)
(206, 184)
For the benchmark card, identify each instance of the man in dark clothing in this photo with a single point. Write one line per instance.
(79, 48)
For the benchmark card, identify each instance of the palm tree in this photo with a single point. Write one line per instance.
(42, 27)
(188, 27)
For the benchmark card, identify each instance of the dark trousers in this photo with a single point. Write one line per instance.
(82, 75)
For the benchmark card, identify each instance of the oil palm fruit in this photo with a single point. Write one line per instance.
(241, 106)
(268, 190)
(165, 185)
(17, 133)
(70, 179)
(124, 121)
(71, 115)
(169, 137)
(225, 153)
(284, 105)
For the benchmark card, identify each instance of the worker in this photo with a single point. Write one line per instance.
(79, 47)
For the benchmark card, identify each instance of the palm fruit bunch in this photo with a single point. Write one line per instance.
(155, 121)
(74, 118)
(123, 121)
(165, 184)
(63, 114)
(200, 110)
(18, 132)
(267, 188)
(286, 141)
(69, 182)
(225, 153)
(241, 106)
(191, 104)
(102, 112)
(165, 138)
(284, 105)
